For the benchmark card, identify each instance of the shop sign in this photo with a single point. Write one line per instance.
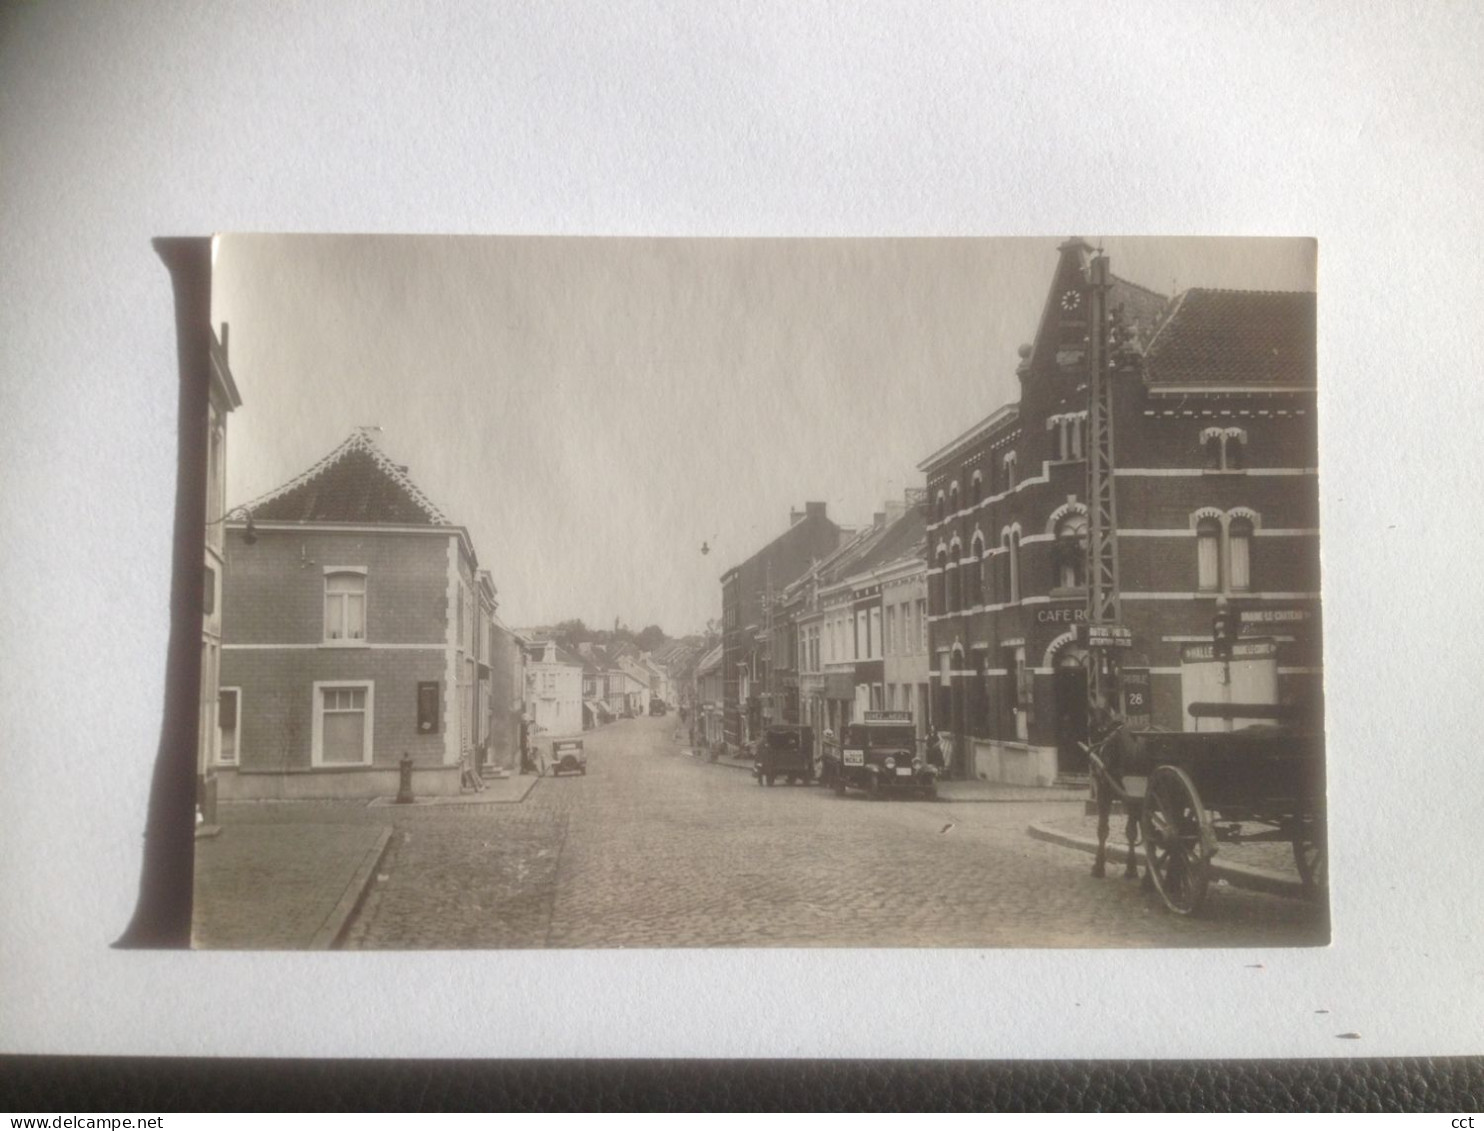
(887, 716)
(1069, 614)
(1109, 636)
(1136, 701)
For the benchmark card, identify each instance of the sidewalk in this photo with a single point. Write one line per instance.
(1256, 867)
(496, 791)
(282, 887)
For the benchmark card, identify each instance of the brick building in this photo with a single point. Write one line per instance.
(358, 627)
(747, 593)
(1216, 494)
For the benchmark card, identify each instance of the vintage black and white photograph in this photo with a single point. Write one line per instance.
(676, 593)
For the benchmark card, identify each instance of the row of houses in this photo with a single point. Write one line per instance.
(968, 602)
(569, 692)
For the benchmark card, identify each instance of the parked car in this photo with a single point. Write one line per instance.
(657, 707)
(784, 751)
(878, 755)
(568, 757)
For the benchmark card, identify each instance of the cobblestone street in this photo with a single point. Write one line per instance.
(656, 848)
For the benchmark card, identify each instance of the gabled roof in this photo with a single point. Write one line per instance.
(355, 483)
(1221, 337)
(710, 661)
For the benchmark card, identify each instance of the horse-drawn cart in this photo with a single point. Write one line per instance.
(1188, 792)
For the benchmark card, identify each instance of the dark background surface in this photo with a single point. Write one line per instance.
(145, 1086)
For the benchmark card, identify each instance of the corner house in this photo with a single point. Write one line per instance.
(356, 628)
(1216, 496)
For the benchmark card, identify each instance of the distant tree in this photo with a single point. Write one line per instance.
(570, 633)
(652, 637)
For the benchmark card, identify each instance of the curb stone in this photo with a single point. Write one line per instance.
(1237, 875)
(331, 932)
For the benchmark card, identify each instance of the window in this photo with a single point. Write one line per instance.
(974, 577)
(955, 578)
(345, 605)
(1071, 551)
(953, 497)
(941, 507)
(208, 592)
(342, 724)
(1069, 428)
(1239, 542)
(940, 581)
(922, 623)
(1009, 462)
(876, 649)
(1223, 448)
(1208, 554)
(891, 630)
(976, 488)
(228, 712)
(1010, 543)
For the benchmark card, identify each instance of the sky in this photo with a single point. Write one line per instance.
(594, 410)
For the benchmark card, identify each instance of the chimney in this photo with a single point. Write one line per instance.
(895, 509)
(814, 510)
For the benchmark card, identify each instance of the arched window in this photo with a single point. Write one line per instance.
(953, 498)
(941, 507)
(1009, 462)
(974, 580)
(1239, 543)
(940, 582)
(1208, 554)
(976, 488)
(955, 575)
(1236, 440)
(1071, 551)
(1014, 567)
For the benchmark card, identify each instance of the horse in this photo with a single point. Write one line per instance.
(1109, 757)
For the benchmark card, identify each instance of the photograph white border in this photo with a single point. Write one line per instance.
(1354, 126)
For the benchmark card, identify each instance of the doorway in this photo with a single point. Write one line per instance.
(1069, 692)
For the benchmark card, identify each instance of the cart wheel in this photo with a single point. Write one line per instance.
(1177, 839)
(1311, 859)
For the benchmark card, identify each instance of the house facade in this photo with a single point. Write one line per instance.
(554, 679)
(356, 630)
(221, 399)
(1215, 489)
(749, 595)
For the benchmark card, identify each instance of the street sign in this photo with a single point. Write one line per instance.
(1276, 616)
(1109, 636)
(1242, 650)
(887, 717)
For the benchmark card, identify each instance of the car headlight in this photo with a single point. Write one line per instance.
(890, 763)
(917, 763)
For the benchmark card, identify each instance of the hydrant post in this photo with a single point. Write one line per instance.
(404, 788)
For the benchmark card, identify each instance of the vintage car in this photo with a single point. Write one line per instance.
(784, 751)
(878, 755)
(568, 757)
(657, 707)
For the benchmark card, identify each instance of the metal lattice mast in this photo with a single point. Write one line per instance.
(1102, 547)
